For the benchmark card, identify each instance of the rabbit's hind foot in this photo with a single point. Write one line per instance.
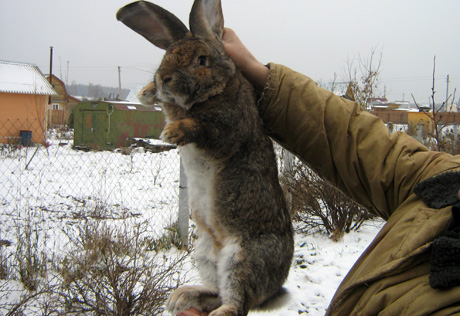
(197, 296)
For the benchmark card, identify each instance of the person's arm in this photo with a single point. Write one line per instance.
(251, 68)
(349, 147)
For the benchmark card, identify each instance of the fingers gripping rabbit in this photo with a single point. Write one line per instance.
(245, 237)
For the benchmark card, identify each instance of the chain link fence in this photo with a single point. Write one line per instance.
(57, 200)
(57, 185)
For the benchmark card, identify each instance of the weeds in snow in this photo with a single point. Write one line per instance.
(109, 272)
(106, 269)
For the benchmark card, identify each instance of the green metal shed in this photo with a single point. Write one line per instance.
(113, 124)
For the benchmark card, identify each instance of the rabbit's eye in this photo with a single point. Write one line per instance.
(202, 61)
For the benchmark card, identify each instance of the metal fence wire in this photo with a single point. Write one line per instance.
(56, 184)
(44, 178)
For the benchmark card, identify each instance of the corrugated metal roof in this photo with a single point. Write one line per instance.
(23, 78)
(129, 106)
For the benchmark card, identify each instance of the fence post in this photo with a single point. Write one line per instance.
(183, 216)
(420, 132)
(455, 136)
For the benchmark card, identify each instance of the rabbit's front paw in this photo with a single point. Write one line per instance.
(181, 132)
(199, 297)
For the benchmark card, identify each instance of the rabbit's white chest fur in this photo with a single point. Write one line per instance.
(212, 260)
(200, 180)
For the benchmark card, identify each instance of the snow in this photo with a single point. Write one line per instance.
(318, 268)
(57, 194)
(61, 186)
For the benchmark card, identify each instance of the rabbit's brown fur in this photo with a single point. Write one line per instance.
(245, 237)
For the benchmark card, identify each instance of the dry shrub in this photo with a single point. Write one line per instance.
(109, 272)
(4, 259)
(31, 261)
(169, 239)
(319, 206)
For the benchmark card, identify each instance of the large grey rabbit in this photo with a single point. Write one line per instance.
(245, 236)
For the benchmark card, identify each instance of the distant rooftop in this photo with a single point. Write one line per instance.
(23, 78)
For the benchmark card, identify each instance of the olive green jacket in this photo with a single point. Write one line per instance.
(353, 150)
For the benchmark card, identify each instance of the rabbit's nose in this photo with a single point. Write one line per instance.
(163, 80)
(167, 80)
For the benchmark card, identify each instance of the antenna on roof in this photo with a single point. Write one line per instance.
(51, 71)
(51, 64)
(119, 81)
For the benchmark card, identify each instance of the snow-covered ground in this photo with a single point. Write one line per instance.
(57, 186)
(61, 184)
(318, 268)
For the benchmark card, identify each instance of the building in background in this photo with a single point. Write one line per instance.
(24, 96)
(115, 124)
(61, 104)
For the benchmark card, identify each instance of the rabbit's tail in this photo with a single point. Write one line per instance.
(276, 301)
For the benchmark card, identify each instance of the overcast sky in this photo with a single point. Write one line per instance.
(315, 37)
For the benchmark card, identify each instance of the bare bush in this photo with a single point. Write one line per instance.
(24, 270)
(106, 269)
(319, 206)
(450, 143)
(30, 259)
(4, 259)
(171, 238)
(109, 272)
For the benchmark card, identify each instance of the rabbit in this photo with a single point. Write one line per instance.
(245, 239)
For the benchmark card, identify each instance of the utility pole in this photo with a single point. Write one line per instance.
(119, 82)
(447, 89)
(67, 75)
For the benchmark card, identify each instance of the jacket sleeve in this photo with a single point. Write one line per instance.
(349, 147)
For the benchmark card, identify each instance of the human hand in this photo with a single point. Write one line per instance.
(251, 68)
(192, 312)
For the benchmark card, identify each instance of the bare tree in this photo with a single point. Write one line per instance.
(363, 74)
(331, 85)
(435, 114)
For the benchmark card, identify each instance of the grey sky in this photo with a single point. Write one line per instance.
(311, 36)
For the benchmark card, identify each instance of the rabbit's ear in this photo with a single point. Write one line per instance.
(206, 19)
(158, 26)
